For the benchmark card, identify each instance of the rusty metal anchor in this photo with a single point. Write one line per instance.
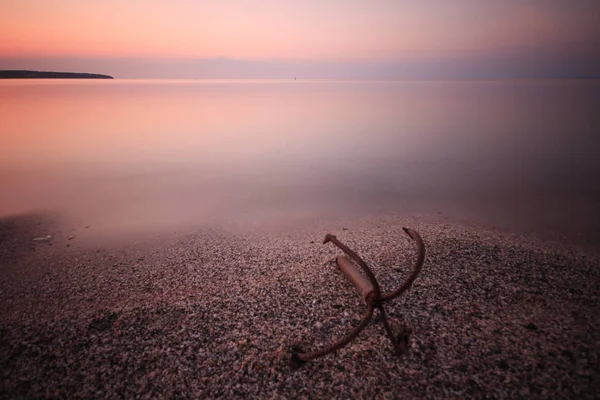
(368, 289)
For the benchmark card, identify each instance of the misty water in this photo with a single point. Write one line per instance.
(519, 155)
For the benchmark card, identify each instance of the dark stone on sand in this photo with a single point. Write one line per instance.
(103, 323)
(531, 326)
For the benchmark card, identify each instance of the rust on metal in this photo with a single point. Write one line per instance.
(361, 284)
(369, 290)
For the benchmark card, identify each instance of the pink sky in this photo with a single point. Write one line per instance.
(309, 38)
(292, 29)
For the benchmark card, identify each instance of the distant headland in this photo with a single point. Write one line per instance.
(24, 74)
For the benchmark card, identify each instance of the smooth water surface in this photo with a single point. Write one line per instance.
(518, 154)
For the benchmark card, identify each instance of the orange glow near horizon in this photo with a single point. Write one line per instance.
(286, 29)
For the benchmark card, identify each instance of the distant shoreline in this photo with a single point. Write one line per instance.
(26, 74)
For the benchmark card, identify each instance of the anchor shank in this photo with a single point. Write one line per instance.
(360, 282)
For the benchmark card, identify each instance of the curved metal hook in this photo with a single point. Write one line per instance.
(416, 268)
(303, 357)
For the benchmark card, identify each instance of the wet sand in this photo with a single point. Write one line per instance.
(212, 312)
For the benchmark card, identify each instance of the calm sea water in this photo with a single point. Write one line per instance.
(516, 154)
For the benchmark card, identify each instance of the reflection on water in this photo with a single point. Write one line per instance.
(123, 153)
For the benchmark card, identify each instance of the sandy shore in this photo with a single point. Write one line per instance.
(212, 312)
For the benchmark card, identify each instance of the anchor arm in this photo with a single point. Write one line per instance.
(303, 357)
(398, 347)
(414, 235)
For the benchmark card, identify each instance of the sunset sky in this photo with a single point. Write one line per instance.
(262, 38)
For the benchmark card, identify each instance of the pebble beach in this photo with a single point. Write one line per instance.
(212, 312)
